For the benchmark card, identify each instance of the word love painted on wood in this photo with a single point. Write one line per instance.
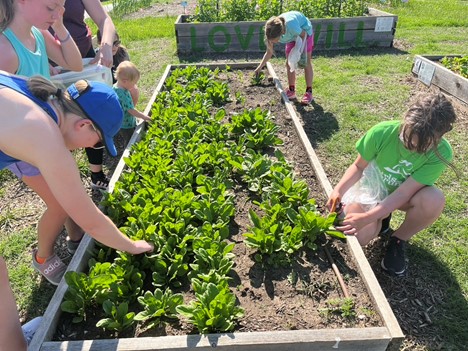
(329, 34)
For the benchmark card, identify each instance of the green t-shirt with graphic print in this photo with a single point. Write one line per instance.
(126, 102)
(396, 163)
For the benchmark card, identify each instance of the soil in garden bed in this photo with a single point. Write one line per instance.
(298, 296)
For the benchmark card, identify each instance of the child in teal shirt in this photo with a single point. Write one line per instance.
(287, 28)
(127, 76)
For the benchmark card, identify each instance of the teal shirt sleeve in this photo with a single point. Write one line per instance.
(296, 22)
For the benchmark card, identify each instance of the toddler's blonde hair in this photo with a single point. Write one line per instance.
(127, 70)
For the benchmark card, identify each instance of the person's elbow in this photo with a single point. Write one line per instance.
(76, 66)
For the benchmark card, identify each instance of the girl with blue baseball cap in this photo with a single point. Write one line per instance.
(40, 125)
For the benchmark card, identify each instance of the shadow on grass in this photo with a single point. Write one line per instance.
(319, 124)
(428, 303)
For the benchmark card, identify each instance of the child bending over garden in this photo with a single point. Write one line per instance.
(396, 167)
(25, 46)
(40, 125)
(128, 75)
(293, 29)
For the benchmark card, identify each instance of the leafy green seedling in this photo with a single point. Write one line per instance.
(257, 79)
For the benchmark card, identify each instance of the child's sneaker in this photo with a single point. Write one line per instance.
(291, 94)
(30, 328)
(72, 245)
(394, 261)
(385, 225)
(99, 181)
(52, 269)
(307, 98)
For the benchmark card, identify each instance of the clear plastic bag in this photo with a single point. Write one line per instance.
(295, 53)
(369, 190)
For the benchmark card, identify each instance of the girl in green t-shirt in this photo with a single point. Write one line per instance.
(396, 168)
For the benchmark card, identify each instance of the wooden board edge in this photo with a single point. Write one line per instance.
(349, 339)
(442, 74)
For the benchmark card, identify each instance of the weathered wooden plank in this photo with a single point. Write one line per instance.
(331, 40)
(430, 72)
(353, 339)
(255, 38)
(330, 34)
(319, 24)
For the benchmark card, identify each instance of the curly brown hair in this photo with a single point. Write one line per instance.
(426, 121)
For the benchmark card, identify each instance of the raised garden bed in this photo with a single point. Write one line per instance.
(375, 30)
(432, 73)
(377, 335)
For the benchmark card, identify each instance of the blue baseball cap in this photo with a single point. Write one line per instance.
(100, 104)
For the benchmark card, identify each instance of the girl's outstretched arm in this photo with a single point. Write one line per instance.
(102, 19)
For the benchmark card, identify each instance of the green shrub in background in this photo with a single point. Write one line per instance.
(456, 64)
(261, 10)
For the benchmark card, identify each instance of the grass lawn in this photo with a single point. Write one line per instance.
(355, 89)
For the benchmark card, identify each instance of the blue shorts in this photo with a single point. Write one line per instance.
(21, 169)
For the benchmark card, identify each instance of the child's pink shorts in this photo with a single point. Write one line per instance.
(310, 45)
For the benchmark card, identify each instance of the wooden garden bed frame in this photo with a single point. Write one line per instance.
(387, 337)
(432, 73)
(375, 30)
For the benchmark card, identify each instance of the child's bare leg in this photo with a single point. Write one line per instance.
(51, 223)
(309, 70)
(11, 335)
(291, 75)
(422, 210)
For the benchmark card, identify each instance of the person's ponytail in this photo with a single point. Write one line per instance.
(43, 88)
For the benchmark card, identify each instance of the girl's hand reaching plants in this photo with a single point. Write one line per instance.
(141, 246)
(334, 203)
(352, 223)
(257, 78)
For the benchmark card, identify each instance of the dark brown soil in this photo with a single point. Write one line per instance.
(274, 298)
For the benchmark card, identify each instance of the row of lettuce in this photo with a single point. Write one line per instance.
(177, 191)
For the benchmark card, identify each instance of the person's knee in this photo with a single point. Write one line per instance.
(56, 212)
(431, 200)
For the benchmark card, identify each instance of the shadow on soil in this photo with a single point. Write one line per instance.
(428, 302)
